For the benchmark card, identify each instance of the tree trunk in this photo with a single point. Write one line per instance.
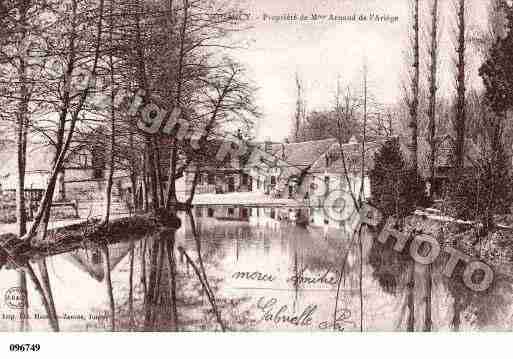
(108, 284)
(415, 89)
(194, 185)
(411, 297)
(428, 324)
(413, 149)
(131, 289)
(21, 145)
(171, 195)
(299, 109)
(456, 317)
(460, 89)
(112, 137)
(150, 291)
(143, 266)
(432, 93)
(361, 282)
(170, 245)
(54, 323)
(158, 174)
(47, 288)
(144, 186)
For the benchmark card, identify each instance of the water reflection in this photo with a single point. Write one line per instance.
(232, 275)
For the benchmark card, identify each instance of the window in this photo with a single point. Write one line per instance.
(244, 213)
(244, 179)
(273, 213)
(96, 257)
(210, 212)
(273, 180)
(199, 211)
(82, 160)
(327, 183)
(211, 178)
(98, 173)
(231, 212)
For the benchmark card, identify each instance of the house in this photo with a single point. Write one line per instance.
(218, 176)
(37, 171)
(82, 178)
(294, 170)
(278, 169)
(346, 174)
(309, 171)
(444, 160)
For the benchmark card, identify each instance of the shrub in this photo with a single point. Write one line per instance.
(479, 193)
(396, 189)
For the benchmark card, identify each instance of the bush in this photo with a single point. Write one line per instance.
(478, 193)
(396, 189)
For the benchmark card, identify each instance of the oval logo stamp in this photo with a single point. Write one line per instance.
(15, 298)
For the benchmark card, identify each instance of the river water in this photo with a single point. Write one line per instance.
(268, 277)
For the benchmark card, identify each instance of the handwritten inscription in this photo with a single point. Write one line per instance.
(273, 312)
(302, 276)
(257, 276)
(281, 314)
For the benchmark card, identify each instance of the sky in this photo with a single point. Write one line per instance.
(322, 51)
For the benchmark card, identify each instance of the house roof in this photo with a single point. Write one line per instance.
(301, 154)
(208, 156)
(332, 160)
(82, 258)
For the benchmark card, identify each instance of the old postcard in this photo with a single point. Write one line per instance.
(255, 165)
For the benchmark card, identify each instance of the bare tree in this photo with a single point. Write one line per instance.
(71, 105)
(300, 108)
(413, 93)
(460, 110)
(112, 134)
(433, 87)
(413, 106)
(433, 52)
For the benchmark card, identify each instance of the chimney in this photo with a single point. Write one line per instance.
(353, 140)
(267, 145)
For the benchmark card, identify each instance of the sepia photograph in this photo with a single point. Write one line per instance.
(327, 166)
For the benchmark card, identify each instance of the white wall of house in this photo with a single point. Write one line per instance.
(34, 180)
(321, 184)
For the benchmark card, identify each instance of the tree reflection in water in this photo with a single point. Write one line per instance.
(176, 279)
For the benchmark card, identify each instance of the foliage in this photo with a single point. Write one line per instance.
(481, 192)
(321, 125)
(497, 71)
(395, 188)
